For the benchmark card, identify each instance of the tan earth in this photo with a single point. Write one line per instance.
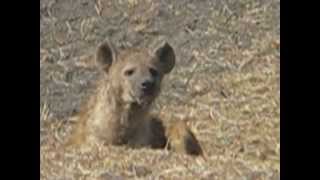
(226, 82)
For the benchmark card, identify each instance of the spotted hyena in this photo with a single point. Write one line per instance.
(118, 112)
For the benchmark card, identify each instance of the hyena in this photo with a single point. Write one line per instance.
(118, 112)
(182, 140)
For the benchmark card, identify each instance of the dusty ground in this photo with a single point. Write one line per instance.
(226, 82)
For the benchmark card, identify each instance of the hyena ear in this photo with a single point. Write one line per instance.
(165, 56)
(105, 55)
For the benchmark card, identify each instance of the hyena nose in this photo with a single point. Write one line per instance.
(148, 85)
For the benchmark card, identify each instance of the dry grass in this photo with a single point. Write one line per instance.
(228, 90)
(239, 133)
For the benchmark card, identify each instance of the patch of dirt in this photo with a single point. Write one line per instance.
(226, 81)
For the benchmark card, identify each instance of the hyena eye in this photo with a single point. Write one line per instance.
(129, 72)
(153, 72)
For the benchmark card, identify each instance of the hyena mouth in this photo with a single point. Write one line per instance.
(143, 100)
(148, 92)
(141, 104)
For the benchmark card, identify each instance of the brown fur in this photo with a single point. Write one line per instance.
(182, 140)
(118, 112)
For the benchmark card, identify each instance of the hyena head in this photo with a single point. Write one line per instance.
(135, 74)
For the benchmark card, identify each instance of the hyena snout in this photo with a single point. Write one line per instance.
(148, 86)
